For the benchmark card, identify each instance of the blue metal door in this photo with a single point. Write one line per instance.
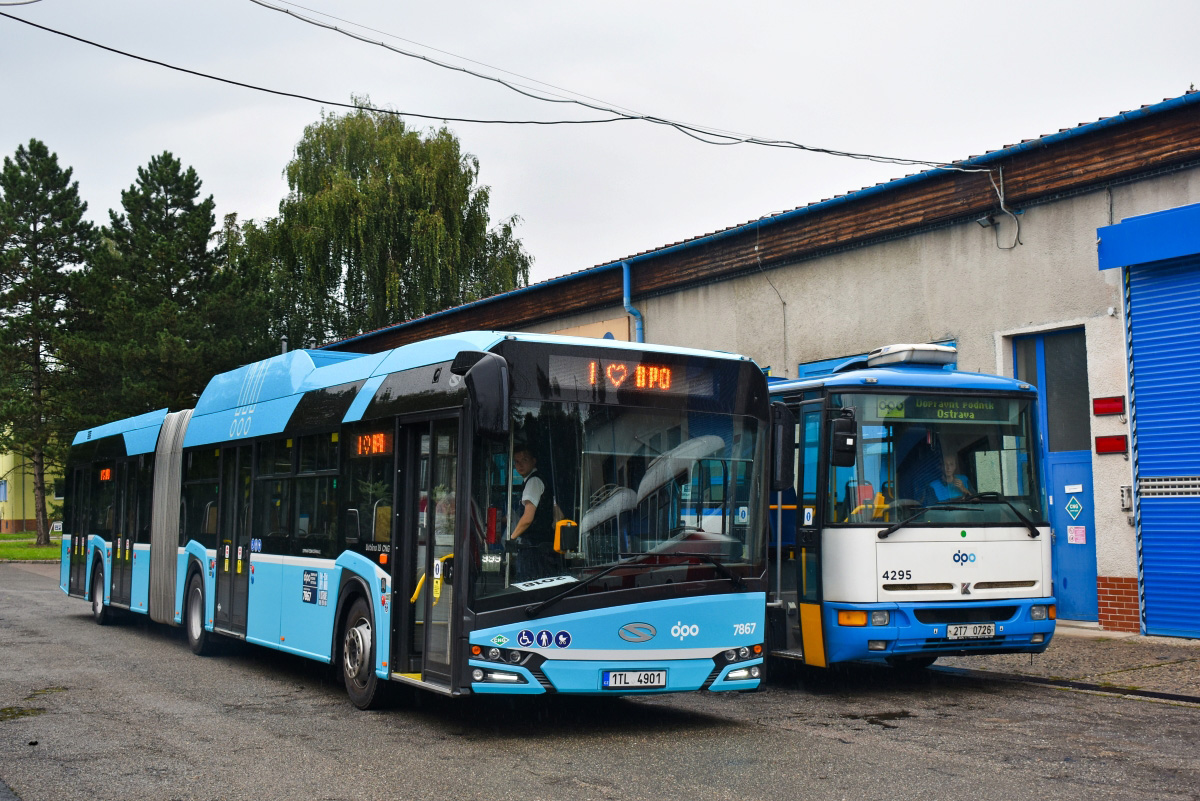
(1072, 521)
(1056, 364)
(1163, 301)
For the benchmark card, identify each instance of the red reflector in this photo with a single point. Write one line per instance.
(1113, 405)
(1114, 444)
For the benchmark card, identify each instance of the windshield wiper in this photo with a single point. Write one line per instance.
(995, 497)
(715, 562)
(533, 609)
(883, 535)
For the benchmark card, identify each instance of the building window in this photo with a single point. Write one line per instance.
(3, 490)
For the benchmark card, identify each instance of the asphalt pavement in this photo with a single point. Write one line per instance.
(1080, 653)
(1083, 654)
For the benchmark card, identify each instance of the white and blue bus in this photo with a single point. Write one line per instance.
(918, 525)
(356, 509)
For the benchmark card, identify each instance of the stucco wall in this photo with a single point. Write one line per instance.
(963, 282)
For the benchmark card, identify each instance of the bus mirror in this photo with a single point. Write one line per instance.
(488, 385)
(566, 536)
(843, 440)
(351, 522)
(783, 447)
(448, 571)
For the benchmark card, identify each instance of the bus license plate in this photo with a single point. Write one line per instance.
(634, 679)
(971, 631)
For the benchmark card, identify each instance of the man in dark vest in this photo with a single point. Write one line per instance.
(534, 533)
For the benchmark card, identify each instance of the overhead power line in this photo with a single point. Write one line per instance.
(297, 96)
(704, 134)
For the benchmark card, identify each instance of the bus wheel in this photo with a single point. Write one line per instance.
(100, 613)
(199, 639)
(358, 658)
(911, 663)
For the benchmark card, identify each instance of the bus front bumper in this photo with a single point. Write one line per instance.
(935, 629)
(590, 677)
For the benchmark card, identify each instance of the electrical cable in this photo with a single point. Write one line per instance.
(310, 99)
(700, 133)
(446, 52)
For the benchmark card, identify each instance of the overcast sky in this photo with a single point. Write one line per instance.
(924, 80)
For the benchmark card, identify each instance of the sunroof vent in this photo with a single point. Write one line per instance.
(912, 354)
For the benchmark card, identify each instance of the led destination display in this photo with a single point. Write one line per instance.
(607, 375)
(945, 409)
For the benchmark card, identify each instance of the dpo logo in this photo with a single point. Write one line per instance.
(961, 558)
(682, 631)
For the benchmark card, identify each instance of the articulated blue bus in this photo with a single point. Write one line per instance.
(918, 523)
(358, 509)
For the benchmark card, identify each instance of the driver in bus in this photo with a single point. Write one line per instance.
(951, 483)
(533, 535)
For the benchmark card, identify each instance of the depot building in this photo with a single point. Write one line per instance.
(1075, 267)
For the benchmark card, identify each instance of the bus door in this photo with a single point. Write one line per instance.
(233, 541)
(428, 453)
(124, 532)
(78, 492)
(802, 565)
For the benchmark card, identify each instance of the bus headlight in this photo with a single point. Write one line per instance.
(493, 654)
(476, 675)
(1037, 613)
(730, 655)
(742, 674)
(881, 617)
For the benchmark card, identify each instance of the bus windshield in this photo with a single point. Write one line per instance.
(940, 460)
(675, 493)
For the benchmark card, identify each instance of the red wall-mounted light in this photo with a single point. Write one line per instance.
(1114, 444)
(1113, 405)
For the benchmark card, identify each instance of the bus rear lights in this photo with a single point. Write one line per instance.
(742, 674)
(877, 645)
(852, 617)
(881, 617)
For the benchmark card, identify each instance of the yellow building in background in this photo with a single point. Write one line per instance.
(17, 511)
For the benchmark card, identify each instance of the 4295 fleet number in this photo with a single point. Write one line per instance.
(897, 575)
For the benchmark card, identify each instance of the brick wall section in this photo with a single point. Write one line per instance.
(1118, 603)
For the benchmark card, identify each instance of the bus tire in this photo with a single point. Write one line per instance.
(911, 663)
(358, 657)
(100, 613)
(199, 639)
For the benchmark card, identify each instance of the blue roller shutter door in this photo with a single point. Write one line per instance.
(1164, 320)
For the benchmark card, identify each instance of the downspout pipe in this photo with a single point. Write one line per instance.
(639, 329)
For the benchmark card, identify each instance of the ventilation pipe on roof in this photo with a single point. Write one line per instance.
(640, 331)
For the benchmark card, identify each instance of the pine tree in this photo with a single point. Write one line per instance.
(157, 313)
(42, 236)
